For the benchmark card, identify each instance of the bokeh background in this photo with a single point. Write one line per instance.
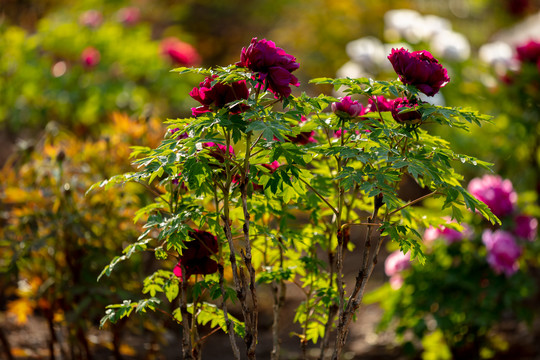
(81, 82)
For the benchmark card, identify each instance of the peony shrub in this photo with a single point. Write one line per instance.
(276, 183)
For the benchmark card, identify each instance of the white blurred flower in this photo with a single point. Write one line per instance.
(451, 45)
(367, 51)
(499, 55)
(435, 24)
(404, 23)
(352, 70)
(496, 52)
(437, 99)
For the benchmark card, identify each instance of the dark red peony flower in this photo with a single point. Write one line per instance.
(348, 108)
(90, 57)
(379, 104)
(530, 52)
(179, 52)
(218, 151)
(273, 65)
(196, 258)
(408, 117)
(305, 137)
(219, 95)
(420, 69)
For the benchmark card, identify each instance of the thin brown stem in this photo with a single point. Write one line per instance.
(413, 202)
(186, 333)
(346, 315)
(251, 341)
(320, 196)
(228, 322)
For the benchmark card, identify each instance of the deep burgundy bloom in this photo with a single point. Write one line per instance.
(380, 104)
(179, 52)
(90, 57)
(496, 193)
(218, 151)
(409, 117)
(219, 95)
(530, 52)
(347, 108)
(420, 69)
(196, 258)
(183, 135)
(305, 137)
(273, 65)
(525, 227)
(503, 252)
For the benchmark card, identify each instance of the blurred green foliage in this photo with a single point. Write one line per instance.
(55, 239)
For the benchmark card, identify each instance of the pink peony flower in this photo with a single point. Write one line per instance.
(396, 262)
(496, 193)
(502, 251)
(526, 227)
(347, 108)
(90, 57)
(129, 15)
(179, 52)
(273, 65)
(396, 281)
(420, 69)
(448, 234)
(219, 95)
(91, 18)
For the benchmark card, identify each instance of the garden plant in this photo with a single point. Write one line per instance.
(263, 187)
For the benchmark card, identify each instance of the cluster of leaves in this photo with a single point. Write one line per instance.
(458, 296)
(44, 77)
(332, 183)
(55, 240)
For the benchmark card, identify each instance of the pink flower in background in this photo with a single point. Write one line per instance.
(502, 251)
(348, 108)
(219, 95)
(496, 193)
(179, 52)
(91, 18)
(273, 65)
(409, 117)
(397, 262)
(526, 227)
(420, 69)
(90, 57)
(530, 52)
(448, 234)
(129, 15)
(380, 104)
(394, 264)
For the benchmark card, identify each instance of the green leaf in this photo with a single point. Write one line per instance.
(171, 289)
